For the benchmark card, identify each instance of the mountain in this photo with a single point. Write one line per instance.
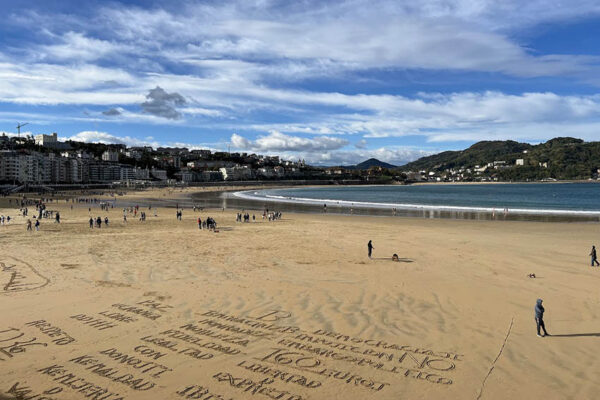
(371, 162)
(559, 158)
(480, 153)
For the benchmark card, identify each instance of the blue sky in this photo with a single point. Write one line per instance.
(331, 82)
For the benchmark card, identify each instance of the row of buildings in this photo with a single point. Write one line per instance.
(39, 168)
(43, 159)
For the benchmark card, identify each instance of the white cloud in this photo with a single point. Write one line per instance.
(457, 115)
(278, 142)
(201, 111)
(50, 84)
(75, 46)
(445, 35)
(523, 132)
(236, 60)
(393, 155)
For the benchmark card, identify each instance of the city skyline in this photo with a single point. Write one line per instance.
(330, 82)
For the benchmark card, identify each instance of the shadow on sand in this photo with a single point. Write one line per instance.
(404, 260)
(577, 335)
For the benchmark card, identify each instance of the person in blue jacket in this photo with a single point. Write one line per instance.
(539, 318)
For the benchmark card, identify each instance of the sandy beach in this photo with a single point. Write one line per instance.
(294, 309)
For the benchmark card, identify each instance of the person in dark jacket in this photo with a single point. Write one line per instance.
(539, 318)
(370, 247)
(594, 256)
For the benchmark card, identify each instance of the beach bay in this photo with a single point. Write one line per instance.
(294, 308)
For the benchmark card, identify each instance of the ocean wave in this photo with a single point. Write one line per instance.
(255, 195)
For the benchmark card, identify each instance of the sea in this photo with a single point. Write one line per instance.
(560, 199)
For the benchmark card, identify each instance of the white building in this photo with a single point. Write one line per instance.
(110, 156)
(24, 168)
(236, 173)
(520, 161)
(46, 140)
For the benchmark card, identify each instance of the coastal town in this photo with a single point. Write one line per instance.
(43, 159)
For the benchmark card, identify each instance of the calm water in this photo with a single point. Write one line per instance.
(555, 198)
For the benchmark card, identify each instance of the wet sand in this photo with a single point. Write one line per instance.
(294, 309)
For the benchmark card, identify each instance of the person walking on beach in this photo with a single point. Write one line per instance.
(370, 247)
(594, 256)
(91, 223)
(28, 224)
(539, 318)
(199, 223)
(37, 224)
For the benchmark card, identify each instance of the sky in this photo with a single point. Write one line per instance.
(331, 82)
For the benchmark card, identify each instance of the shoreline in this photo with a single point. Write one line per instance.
(230, 199)
(406, 206)
(507, 183)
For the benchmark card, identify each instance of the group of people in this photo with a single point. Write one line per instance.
(504, 212)
(98, 222)
(209, 223)
(37, 224)
(271, 216)
(245, 216)
(4, 219)
(86, 200)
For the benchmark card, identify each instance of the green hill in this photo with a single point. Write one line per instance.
(559, 158)
(373, 162)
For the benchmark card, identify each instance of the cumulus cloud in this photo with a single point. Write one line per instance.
(163, 104)
(111, 112)
(277, 141)
(324, 151)
(394, 156)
